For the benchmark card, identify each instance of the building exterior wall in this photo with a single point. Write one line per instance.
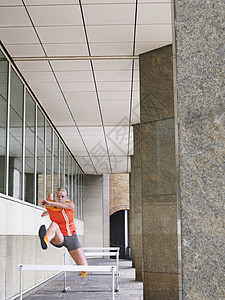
(119, 192)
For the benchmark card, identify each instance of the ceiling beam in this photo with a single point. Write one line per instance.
(47, 58)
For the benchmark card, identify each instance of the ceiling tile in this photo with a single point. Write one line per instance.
(86, 164)
(71, 65)
(83, 104)
(29, 50)
(77, 86)
(18, 35)
(113, 86)
(110, 65)
(154, 1)
(114, 33)
(39, 77)
(68, 132)
(49, 96)
(87, 116)
(119, 164)
(14, 16)
(71, 96)
(58, 119)
(55, 15)
(117, 75)
(66, 49)
(115, 115)
(117, 139)
(72, 76)
(109, 14)
(101, 164)
(115, 103)
(111, 95)
(107, 1)
(11, 3)
(91, 131)
(33, 66)
(150, 13)
(135, 112)
(59, 34)
(158, 33)
(44, 87)
(109, 49)
(49, 2)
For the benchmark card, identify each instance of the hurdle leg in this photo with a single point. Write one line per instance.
(117, 272)
(65, 288)
(21, 282)
(113, 285)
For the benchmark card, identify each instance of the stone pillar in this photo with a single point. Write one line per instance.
(137, 201)
(199, 36)
(160, 247)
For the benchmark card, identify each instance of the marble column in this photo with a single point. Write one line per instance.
(159, 200)
(200, 115)
(137, 201)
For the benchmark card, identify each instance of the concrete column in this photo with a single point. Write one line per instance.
(160, 247)
(106, 217)
(200, 110)
(137, 201)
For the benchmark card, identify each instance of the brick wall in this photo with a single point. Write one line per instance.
(118, 192)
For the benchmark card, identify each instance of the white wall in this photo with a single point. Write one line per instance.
(93, 211)
(19, 243)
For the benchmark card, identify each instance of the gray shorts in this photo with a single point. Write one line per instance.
(70, 242)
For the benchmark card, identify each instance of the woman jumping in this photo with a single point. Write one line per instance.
(62, 230)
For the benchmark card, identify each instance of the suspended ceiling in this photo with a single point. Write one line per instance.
(92, 102)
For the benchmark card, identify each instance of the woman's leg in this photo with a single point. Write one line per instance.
(80, 259)
(53, 234)
(78, 256)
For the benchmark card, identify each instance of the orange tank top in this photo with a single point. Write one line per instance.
(64, 218)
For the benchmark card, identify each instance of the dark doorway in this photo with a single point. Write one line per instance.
(119, 232)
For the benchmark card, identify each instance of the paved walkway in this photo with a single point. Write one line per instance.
(88, 288)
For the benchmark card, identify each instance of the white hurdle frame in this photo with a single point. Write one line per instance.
(65, 268)
(96, 254)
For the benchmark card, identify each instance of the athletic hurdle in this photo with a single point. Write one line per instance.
(97, 254)
(67, 268)
(113, 249)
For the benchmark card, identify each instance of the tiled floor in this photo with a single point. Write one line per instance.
(94, 286)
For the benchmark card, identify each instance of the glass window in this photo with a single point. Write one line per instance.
(69, 176)
(75, 190)
(15, 136)
(48, 159)
(3, 113)
(29, 175)
(66, 171)
(56, 163)
(61, 176)
(82, 196)
(40, 155)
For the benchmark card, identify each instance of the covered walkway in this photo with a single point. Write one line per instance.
(89, 288)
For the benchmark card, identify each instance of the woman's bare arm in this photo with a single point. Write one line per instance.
(45, 213)
(65, 205)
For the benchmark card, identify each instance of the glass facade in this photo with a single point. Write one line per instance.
(4, 67)
(34, 161)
